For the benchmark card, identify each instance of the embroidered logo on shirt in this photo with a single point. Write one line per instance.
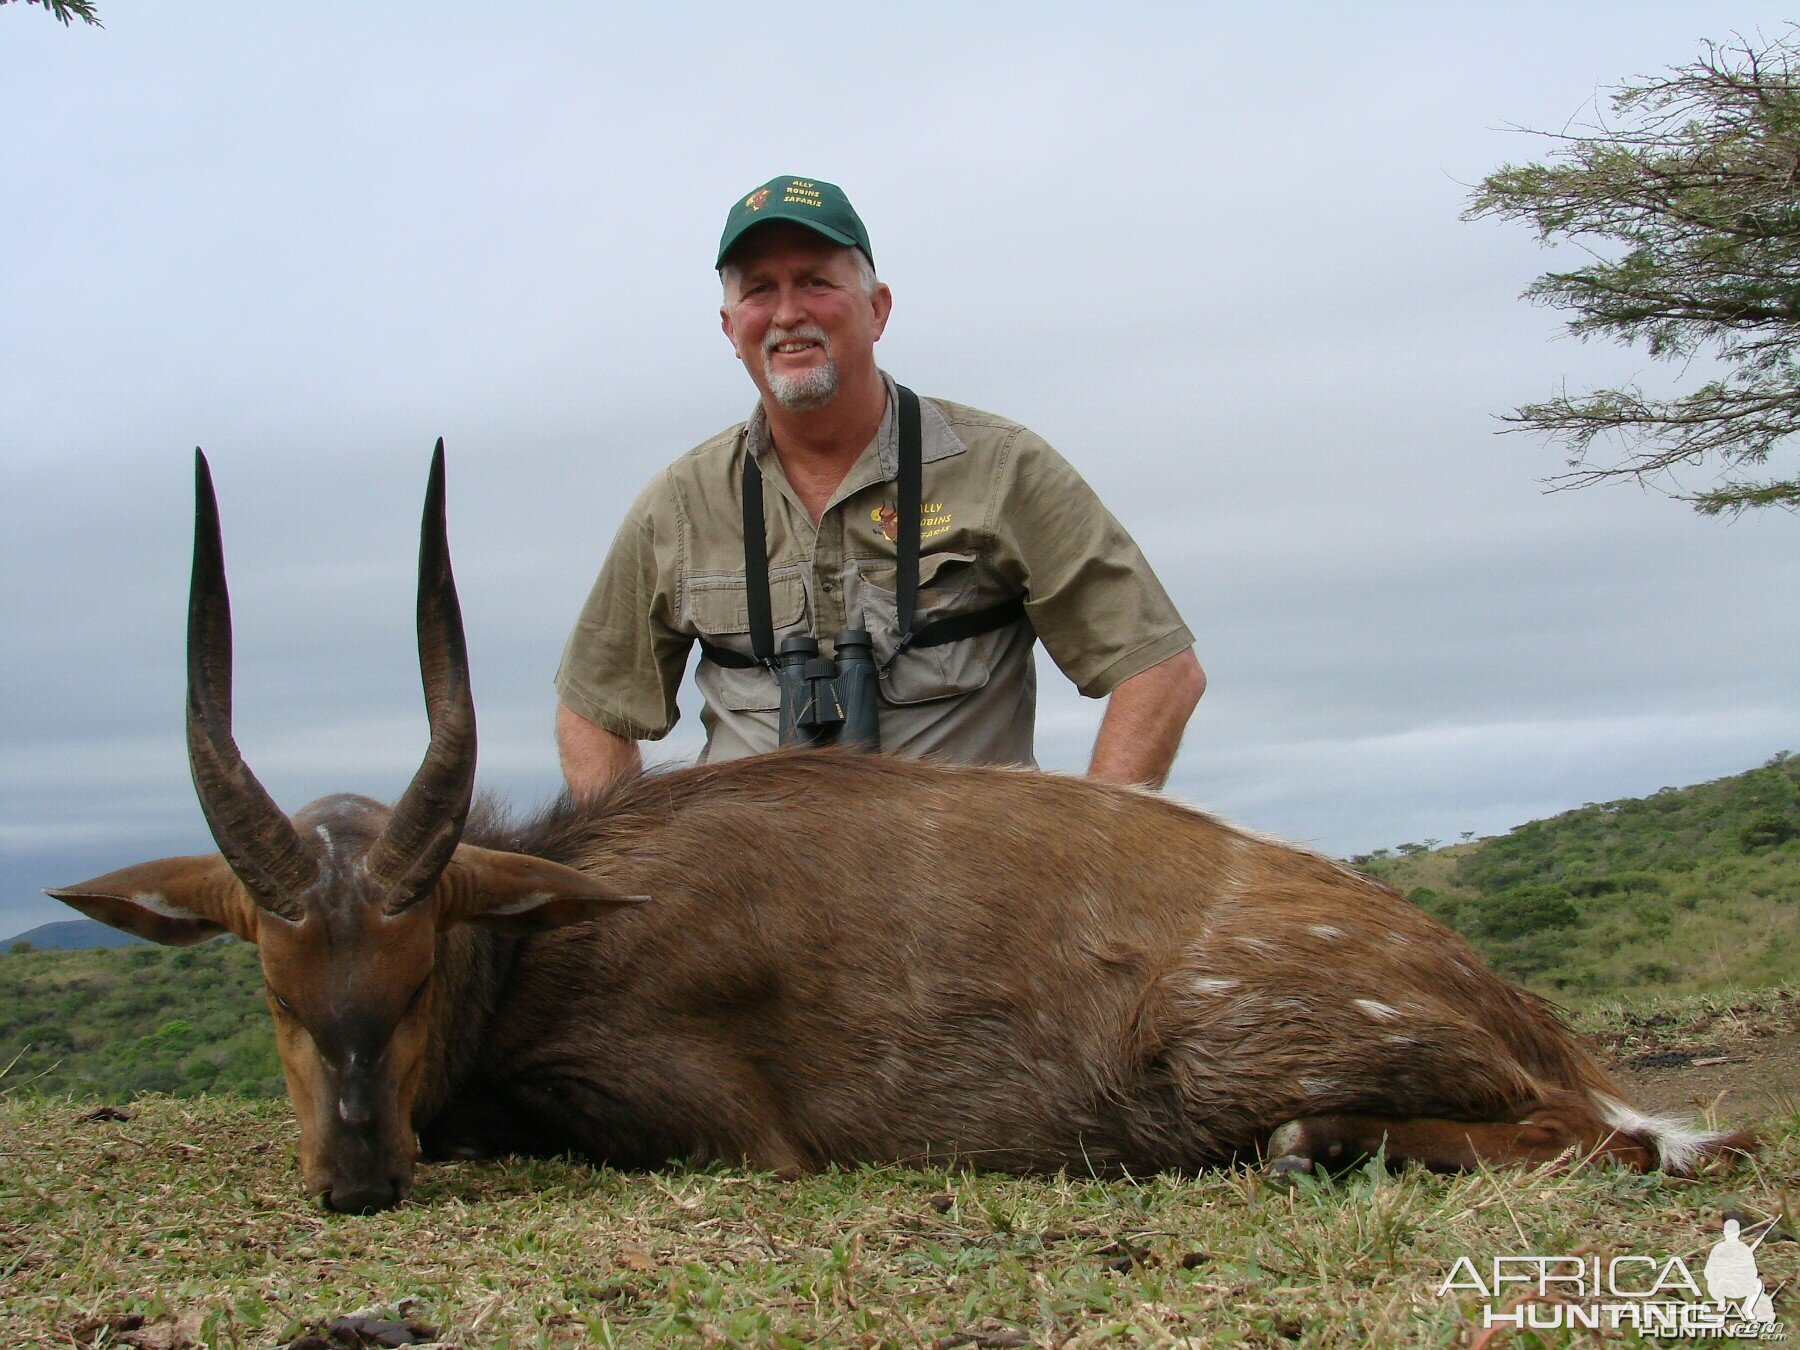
(934, 520)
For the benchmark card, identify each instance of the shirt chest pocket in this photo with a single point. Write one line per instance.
(949, 584)
(719, 610)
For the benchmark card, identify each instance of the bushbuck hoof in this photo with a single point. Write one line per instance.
(1307, 1146)
(1289, 1141)
(1287, 1169)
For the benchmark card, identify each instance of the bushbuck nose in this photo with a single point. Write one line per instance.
(362, 1197)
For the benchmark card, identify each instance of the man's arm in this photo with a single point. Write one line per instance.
(593, 757)
(1145, 716)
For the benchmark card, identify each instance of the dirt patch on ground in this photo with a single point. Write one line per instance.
(1742, 1061)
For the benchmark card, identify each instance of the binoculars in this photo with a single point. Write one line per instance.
(826, 701)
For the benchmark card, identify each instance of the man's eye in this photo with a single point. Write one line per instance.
(418, 994)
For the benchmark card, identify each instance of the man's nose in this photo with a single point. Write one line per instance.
(790, 309)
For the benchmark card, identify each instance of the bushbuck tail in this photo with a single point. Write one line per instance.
(816, 958)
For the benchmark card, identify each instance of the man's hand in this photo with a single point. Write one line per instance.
(1144, 719)
(592, 757)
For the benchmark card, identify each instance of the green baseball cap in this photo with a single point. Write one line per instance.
(820, 207)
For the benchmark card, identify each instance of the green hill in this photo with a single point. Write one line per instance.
(1688, 889)
(108, 1022)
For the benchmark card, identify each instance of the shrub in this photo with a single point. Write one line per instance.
(1612, 883)
(1526, 910)
(1446, 909)
(1765, 831)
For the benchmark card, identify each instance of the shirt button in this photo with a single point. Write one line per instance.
(828, 586)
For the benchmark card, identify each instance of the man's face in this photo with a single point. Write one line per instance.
(798, 314)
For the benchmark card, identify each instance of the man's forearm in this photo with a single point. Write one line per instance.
(592, 757)
(1145, 716)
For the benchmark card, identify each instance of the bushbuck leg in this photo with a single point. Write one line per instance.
(1558, 1124)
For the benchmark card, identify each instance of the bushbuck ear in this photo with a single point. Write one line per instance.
(520, 893)
(177, 901)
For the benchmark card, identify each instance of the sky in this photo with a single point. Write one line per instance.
(1213, 253)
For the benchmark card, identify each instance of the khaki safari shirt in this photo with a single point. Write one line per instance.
(1003, 516)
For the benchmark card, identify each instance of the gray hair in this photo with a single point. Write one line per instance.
(865, 273)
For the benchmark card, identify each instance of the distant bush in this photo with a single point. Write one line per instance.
(1767, 830)
(1446, 909)
(1613, 883)
(1527, 910)
(1581, 979)
(1528, 958)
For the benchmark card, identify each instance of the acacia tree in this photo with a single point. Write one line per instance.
(1686, 196)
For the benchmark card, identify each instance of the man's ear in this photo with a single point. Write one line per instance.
(176, 901)
(882, 302)
(520, 894)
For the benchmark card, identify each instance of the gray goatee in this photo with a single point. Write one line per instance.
(805, 392)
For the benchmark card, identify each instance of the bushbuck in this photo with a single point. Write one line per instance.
(816, 958)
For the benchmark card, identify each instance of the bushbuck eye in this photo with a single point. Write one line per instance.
(282, 1003)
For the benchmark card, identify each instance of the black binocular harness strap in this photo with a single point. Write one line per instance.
(910, 491)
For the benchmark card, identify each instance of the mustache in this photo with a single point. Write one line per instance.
(804, 333)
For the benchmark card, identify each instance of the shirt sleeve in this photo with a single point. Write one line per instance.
(1090, 593)
(623, 663)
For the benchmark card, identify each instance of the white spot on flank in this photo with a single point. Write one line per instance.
(1399, 939)
(1318, 1087)
(1325, 930)
(1393, 1039)
(1381, 1012)
(1213, 985)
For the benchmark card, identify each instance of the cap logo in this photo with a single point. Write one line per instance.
(802, 192)
(758, 199)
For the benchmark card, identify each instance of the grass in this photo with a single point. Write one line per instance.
(189, 1216)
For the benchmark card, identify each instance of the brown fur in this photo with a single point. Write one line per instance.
(853, 959)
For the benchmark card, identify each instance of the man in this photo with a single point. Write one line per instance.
(1013, 546)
